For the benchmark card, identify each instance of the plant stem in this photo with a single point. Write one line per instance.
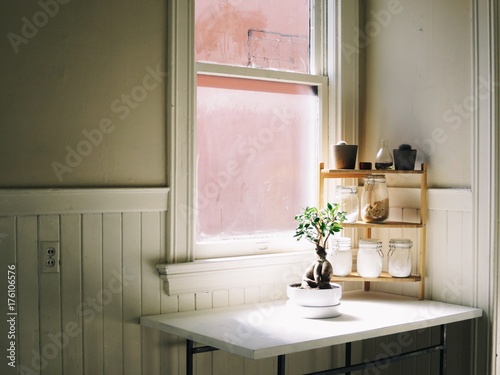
(320, 251)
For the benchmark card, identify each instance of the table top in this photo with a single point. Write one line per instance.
(269, 329)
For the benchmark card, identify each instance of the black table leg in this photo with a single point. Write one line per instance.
(442, 359)
(281, 364)
(348, 351)
(189, 357)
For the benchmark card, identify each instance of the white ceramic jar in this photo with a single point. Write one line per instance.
(370, 256)
(341, 256)
(400, 257)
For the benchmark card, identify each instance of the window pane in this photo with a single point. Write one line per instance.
(258, 33)
(257, 156)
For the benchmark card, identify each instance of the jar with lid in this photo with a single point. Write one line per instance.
(370, 256)
(375, 200)
(347, 196)
(400, 257)
(341, 256)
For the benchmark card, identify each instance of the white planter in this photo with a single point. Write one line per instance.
(314, 303)
(314, 297)
(312, 312)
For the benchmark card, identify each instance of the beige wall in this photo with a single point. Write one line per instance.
(89, 62)
(418, 65)
(86, 63)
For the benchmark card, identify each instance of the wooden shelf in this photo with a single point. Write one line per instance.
(387, 224)
(384, 277)
(358, 173)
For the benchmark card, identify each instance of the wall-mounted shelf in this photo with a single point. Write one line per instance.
(387, 224)
(383, 278)
(325, 174)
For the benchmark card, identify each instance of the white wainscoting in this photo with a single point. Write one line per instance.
(84, 319)
(450, 275)
(450, 268)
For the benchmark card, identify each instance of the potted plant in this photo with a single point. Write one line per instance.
(316, 296)
(404, 157)
(317, 226)
(316, 290)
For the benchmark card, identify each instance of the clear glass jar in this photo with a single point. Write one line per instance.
(347, 196)
(400, 257)
(370, 256)
(375, 200)
(341, 256)
(384, 159)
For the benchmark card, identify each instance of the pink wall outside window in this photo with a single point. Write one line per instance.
(256, 140)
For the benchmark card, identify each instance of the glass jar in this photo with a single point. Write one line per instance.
(341, 256)
(347, 196)
(370, 256)
(384, 159)
(400, 257)
(375, 200)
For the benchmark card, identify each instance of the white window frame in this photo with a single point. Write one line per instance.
(342, 99)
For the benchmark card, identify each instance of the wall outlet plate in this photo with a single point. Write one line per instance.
(49, 256)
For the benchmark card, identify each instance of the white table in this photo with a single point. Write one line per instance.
(268, 329)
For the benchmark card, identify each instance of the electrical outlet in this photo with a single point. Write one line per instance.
(49, 256)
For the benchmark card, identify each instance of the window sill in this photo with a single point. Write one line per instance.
(234, 272)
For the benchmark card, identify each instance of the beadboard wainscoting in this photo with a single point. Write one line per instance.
(450, 261)
(85, 319)
(450, 277)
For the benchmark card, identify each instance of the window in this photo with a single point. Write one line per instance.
(259, 123)
(258, 33)
(261, 72)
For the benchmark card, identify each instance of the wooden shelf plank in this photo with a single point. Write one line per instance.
(387, 224)
(359, 173)
(384, 277)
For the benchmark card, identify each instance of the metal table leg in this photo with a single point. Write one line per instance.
(442, 359)
(189, 357)
(348, 351)
(191, 351)
(281, 364)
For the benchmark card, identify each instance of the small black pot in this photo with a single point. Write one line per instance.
(404, 160)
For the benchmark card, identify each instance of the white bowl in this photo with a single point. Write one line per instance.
(312, 312)
(314, 297)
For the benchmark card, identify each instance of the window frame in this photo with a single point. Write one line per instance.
(181, 104)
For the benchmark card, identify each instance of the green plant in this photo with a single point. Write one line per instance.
(317, 226)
